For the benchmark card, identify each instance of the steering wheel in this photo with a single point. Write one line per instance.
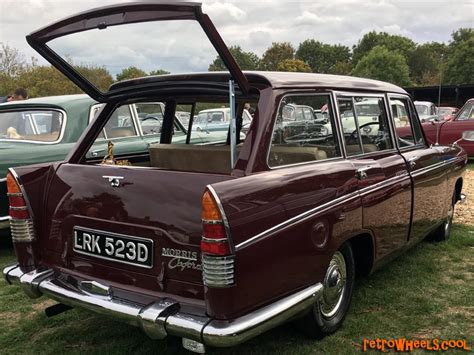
(150, 118)
(353, 134)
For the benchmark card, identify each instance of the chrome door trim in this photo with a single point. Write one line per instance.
(298, 218)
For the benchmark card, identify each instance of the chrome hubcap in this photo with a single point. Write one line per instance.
(334, 285)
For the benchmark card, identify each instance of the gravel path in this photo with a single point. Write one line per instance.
(464, 213)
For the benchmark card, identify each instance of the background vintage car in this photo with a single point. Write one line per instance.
(426, 110)
(449, 131)
(32, 139)
(34, 142)
(212, 120)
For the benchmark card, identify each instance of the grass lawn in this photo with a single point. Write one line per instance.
(425, 293)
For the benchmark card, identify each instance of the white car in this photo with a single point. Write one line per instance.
(217, 119)
(426, 110)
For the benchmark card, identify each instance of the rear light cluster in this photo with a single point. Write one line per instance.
(217, 259)
(21, 224)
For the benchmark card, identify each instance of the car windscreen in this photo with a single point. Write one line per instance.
(422, 109)
(31, 125)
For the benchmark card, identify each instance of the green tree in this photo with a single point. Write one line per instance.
(383, 64)
(130, 73)
(158, 72)
(45, 80)
(426, 62)
(395, 43)
(294, 65)
(460, 66)
(246, 60)
(12, 62)
(275, 54)
(324, 58)
(461, 35)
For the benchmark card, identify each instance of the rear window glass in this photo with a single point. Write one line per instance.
(32, 125)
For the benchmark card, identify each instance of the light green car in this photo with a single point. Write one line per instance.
(45, 130)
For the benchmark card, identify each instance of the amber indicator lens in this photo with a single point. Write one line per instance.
(12, 185)
(210, 211)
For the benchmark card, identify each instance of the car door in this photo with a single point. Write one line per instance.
(384, 182)
(426, 166)
(451, 131)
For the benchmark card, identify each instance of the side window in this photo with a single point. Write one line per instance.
(120, 124)
(349, 126)
(467, 113)
(407, 125)
(303, 140)
(150, 117)
(373, 124)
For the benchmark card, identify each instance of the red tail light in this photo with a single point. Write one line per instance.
(217, 258)
(18, 207)
(21, 224)
(214, 240)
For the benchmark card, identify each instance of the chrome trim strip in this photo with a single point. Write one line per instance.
(165, 316)
(224, 218)
(61, 134)
(5, 218)
(3, 179)
(440, 164)
(301, 217)
(384, 183)
(321, 209)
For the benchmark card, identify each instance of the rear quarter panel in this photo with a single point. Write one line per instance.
(279, 248)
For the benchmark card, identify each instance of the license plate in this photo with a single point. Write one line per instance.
(115, 247)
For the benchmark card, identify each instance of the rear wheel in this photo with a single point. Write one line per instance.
(444, 231)
(329, 312)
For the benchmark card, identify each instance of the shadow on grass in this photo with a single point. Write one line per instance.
(419, 295)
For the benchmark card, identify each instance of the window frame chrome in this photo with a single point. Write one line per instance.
(61, 133)
(412, 114)
(337, 135)
(379, 95)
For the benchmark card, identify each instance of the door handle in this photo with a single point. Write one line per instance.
(361, 173)
(96, 152)
(412, 162)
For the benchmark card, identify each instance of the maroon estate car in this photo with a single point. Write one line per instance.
(218, 243)
(449, 131)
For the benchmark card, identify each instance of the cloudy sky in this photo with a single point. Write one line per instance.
(253, 25)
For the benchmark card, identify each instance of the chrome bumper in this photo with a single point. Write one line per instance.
(164, 317)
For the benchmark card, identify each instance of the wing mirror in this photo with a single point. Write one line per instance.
(466, 136)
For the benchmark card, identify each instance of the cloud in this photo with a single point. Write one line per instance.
(253, 25)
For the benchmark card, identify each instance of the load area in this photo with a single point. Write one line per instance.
(129, 208)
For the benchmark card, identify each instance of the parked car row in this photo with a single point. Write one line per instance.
(45, 130)
(210, 235)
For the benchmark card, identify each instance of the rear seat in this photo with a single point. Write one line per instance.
(216, 159)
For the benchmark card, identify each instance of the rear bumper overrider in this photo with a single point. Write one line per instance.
(165, 317)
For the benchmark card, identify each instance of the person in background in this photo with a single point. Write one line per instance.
(249, 109)
(5, 99)
(19, 94)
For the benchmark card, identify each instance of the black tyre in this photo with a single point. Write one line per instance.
(329, 312)
(444, 231)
